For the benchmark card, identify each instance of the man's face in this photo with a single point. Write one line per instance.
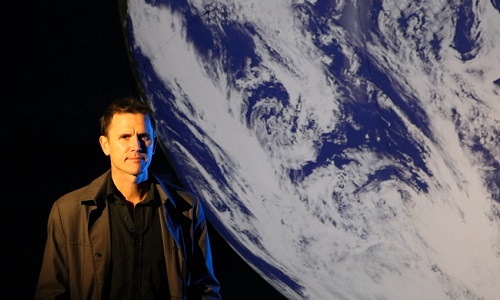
(129, 144)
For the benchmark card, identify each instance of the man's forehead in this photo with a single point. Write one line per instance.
(131, 120)
(129, 116)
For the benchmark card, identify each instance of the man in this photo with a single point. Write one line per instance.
(128, 234)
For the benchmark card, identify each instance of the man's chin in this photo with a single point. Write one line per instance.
(134, 170)
(141, 173)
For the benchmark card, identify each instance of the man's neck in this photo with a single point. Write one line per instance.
(133, 188)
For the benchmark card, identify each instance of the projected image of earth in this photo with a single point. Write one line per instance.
(345, 149)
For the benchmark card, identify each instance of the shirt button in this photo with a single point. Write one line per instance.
(126, 218)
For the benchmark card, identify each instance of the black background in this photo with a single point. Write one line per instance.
(62, 62)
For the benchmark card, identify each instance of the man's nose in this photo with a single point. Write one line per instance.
(136, 142)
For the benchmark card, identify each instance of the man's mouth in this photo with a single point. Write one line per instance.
(138, 158)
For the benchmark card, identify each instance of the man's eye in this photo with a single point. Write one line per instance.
(145, 137)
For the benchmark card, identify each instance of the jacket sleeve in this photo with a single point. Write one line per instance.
(53, 278)
(202, 284)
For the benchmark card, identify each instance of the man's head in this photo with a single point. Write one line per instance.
(128, 137)
(125, 105)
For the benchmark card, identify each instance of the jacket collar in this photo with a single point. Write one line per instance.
(94, 194)
(173, 194)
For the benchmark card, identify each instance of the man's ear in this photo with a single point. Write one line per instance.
(104, 144)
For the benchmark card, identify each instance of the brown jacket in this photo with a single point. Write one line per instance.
(78, 247)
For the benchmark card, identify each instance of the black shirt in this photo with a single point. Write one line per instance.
(138, 268)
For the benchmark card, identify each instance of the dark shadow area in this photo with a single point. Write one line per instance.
(61, 64)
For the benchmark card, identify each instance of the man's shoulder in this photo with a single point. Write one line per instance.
(88, 192)
(178, 195)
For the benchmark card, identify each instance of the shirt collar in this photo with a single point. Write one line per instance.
(113, 194)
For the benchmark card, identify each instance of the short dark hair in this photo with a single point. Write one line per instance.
(123, 106)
